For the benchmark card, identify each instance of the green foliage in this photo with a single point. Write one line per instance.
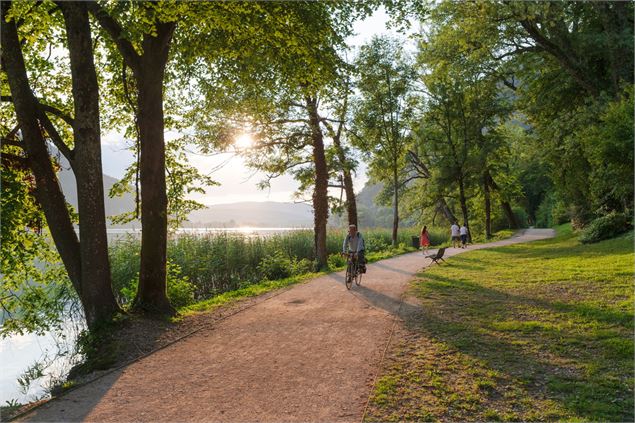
(34, 285)
(336, 261)
(217, 263)
(275, 266)
(551, 212)
(180, 290)
(606, 227)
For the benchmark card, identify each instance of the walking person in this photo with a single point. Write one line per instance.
(424, 240)
(456, 236)
(463, 232)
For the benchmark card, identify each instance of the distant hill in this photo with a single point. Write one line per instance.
(252, 213)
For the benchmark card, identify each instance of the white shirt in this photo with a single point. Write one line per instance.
(455, 230)
(463, 230)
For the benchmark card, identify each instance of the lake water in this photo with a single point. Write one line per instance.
(54, 350)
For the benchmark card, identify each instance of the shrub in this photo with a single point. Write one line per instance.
(302, 266)
(606, 227)
(180, 290)
(275, 266)
(336, 260)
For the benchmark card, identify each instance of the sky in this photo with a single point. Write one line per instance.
(237, 182)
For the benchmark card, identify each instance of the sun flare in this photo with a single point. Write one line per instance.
(244, 141)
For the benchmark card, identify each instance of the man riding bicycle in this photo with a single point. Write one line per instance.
(354, 243)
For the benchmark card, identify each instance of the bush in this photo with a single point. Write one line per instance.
(300, 267)
(606, 227)
(336, 260)
(275, 266)
(180, 290)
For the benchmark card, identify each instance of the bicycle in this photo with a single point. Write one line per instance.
(353, 271)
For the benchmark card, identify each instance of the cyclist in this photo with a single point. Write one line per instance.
(354, 243)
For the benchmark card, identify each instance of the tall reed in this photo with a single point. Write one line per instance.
(219, 262)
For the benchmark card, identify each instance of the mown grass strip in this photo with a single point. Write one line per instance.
(537, 331)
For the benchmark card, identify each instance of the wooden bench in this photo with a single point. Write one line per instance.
(438, 256)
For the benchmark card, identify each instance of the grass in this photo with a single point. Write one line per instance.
(533, 332)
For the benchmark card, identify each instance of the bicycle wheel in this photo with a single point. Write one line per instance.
(349, 276)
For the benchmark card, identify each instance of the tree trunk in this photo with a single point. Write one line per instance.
(99, 301)
(351, 202)
(395, 205)
(464, 211)
(152, 292)
(320, 193)
(442, 206)
(509, 213)
(507, 208)
(488, 208)
(47, 192)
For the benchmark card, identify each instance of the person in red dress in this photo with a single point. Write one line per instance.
(424, 239)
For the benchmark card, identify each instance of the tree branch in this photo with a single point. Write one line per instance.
(56, 138)
(110, 25)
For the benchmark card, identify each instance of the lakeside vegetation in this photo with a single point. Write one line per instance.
(205, 266)
(541, 331)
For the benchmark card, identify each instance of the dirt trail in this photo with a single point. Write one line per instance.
(308, 354)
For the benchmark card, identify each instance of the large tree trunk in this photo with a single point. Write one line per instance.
(149, 70)
(320, 193)
(97, 296)
(488, 208)
(152, 292)
(395, 205)
(47, 192)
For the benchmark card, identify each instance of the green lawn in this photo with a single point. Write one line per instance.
(538, 331)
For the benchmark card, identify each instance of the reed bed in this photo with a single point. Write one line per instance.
(219, 262)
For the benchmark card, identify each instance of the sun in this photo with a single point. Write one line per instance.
(244, 141)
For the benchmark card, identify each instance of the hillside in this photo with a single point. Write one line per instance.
(258, 214)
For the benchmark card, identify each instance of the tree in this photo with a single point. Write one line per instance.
(148, 67)
(342, 162)
(86, 259)
(274, 89)
(562, 61)
(383, 112)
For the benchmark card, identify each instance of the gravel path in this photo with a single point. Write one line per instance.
(308, 354)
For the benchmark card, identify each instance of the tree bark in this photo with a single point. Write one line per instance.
(98, 298)
(320, 193)
(152, 292)
(395, 205)
(488, 208)
(77, 258)
(351, 202)
(149, 71)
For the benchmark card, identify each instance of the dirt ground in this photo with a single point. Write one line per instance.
(310, 353)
